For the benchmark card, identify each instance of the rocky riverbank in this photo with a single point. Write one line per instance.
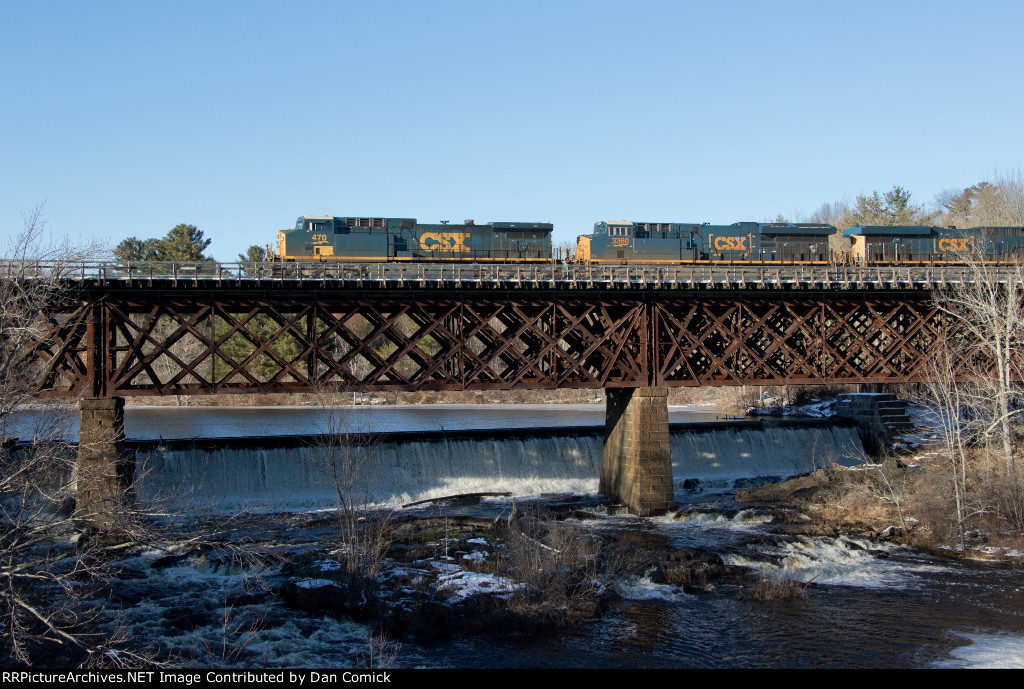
(902, 501)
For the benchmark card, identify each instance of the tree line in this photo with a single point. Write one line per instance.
(996, 203)
(988, 203)
(183, 243)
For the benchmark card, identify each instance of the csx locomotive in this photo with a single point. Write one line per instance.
(881, 245)
(627, 242)
(404, 239)
(749, 242)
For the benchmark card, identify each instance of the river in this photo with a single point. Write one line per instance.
(163, 422)
(871, 604)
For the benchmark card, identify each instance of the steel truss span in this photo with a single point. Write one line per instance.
(166, 342)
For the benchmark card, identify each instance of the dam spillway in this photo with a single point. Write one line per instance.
(295, 473)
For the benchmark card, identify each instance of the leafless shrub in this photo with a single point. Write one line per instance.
(950, 401)
(50, 573)
(556, 561)
(892, 488)
(1009, 496)
(381, 652)
(987, 307)
(238, 631)
(820, 458)
(855, 507)
(364, 535)
(972, 392)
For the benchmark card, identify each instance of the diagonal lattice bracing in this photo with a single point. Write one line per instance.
(212, 342)
(793, 339)
(58, 358)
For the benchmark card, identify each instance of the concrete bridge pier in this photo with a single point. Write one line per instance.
(636, 463)
(105, 470)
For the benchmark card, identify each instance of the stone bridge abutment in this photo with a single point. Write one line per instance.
(105, 471)
(636, 464)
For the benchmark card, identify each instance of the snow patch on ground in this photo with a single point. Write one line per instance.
(315, 583)
(776, 406)
(994, 552)
(328, 565)
(821, 410)
(459, 584)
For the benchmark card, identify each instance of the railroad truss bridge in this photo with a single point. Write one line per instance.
(633, 331)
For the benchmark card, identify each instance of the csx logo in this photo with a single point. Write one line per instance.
(964, 244)
(444, 241)
(730, 243)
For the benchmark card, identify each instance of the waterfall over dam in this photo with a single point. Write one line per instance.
(297, 473)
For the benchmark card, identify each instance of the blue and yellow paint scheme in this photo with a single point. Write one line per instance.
(919, 244)
(628, 242)
(404, 239)
(625, 242)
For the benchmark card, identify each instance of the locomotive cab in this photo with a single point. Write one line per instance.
(312, 237)
(611, 241)
(319, 232)
(881, 244)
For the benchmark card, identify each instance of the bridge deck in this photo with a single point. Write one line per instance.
(339, 275)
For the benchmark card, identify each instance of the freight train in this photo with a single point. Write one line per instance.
(626, 242)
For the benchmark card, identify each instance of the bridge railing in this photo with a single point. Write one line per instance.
(721, 276)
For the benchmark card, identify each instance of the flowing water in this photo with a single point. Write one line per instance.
(878, 608)
(870, 604)
(397, 471)
(156, 423)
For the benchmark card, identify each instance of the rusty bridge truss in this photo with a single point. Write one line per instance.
(148, 339)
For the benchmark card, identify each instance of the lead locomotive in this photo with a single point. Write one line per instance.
(405, 239)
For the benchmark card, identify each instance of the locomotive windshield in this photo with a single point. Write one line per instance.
(312, 224)
(614, 229)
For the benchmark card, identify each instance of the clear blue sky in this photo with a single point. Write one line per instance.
(127, 118)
